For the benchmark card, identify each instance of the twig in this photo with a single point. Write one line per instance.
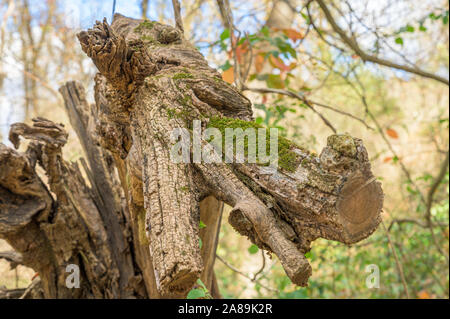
(244, 274)
(367, 57)
(412, 221)
(307, 102)
(262, 266)
(224, 7)
(30, 287)
(177, 14)
(11, 293)
(429, 201)
(14, 258)
(399, 265)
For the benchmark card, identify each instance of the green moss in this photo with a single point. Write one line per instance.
(342, 143)
(148, 38)
(147, 24)
(171, 113)
(180, 75)
(184, 188)
(287, 159)
(186, 100)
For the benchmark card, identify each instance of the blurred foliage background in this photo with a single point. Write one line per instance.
(375, 69)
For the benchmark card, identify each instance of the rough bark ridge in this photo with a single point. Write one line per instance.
(151, 82)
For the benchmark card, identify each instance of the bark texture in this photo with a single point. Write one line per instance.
(133, 224)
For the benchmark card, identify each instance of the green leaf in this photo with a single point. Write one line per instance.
(200, 283)
(200, 242)
(253, 249)
(399, 40)
(274, 81)
(225, 66)
(409, 28)
(225, 34)
(308, 255)
(201, 225)
(196, 293)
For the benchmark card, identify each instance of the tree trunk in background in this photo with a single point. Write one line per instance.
(130, 222)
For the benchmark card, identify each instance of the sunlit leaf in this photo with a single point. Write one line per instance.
(423, 295)
(275, 81)
(293, 34)
(253, 249)
(392, 133)
(399, 40)
(228, 75)
(196, 293)
(259, 62)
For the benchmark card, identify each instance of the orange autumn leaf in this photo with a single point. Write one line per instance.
(228, 75)
(264, 99)
(259, 62)
(387, 160)
(293, 34)
(423, 295)
(278, 63)
(392, 133)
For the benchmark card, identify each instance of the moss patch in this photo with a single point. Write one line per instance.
(146, 25)
(343, 143)
(287, 159)
(178, 76)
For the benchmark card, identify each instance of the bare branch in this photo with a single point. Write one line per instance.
(177, 14)
(14, 258)
(399, 265)
(370, 58)
(252, 279)
(296, 96)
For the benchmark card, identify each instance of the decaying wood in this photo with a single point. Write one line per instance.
(133, 224)
(333, 196)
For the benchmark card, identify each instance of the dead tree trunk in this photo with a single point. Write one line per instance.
(133, 224)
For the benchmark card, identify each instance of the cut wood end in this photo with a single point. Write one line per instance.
(359, 206)
(181, 281)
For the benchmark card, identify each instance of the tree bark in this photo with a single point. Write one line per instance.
(133, 224)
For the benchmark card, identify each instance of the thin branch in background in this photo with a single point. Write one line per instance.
(399, 265)
(225, 10)
(263, 265)
(252, 279)
(370, 58)
(429, 201)
(412, 221)
(33, 284)
(299, 97)
(144, 9)
(177, 14)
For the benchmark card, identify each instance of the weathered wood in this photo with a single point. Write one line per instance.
(333, 196)
(71, 232)
(133, 225)
(211, 215)
(102, 175)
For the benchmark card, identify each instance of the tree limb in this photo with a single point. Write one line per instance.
(370, 58)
